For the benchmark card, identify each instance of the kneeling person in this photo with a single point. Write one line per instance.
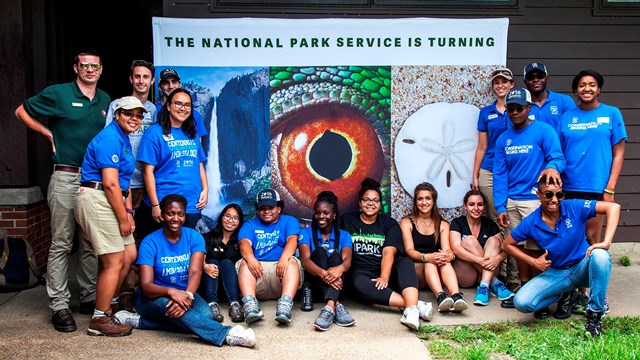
(268, 268)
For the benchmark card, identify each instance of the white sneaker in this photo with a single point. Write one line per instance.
(128, 318)
(426, 310)
(239, 336)
(411, 318)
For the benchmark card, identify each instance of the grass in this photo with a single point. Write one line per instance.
(546, 339)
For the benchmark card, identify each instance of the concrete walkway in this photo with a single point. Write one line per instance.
(26, 332)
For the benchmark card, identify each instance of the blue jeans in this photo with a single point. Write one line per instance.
(198, 319)
(209, 285)
(547, 288)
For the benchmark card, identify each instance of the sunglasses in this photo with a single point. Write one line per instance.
(506, 74)
(85, 66)
(515, 107)
(131, 115)
(550, 194)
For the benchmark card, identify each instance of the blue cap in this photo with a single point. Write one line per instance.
(535, 66)
(519, 96)
(267, 197)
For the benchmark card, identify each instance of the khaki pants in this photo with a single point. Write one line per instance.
(485, 185)
(518, 210)
(269, 286)
(61, 199)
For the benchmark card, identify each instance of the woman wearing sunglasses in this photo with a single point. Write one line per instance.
(568, 261)
(172, 163)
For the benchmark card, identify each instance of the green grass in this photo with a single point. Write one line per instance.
(547, 339)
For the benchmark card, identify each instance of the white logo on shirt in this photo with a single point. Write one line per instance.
(554, 109)
(587, 204)
(568, 223)
(115, 158)
(574, 120)
(508, 142)
(603, 120)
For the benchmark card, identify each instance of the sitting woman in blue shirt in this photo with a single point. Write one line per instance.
(325, 253)
(170, 261)
(568, 262)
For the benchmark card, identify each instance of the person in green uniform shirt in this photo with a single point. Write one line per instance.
(76, 113)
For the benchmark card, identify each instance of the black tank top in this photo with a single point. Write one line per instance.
(423, 243)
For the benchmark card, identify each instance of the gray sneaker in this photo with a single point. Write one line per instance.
(217, 313)
(325, 319)
(343, 318)
(252, 310)
(283, 309)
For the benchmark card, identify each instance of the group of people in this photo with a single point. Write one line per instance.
(131, 174)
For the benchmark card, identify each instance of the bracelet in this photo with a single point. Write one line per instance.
(609, 191)
(130, 211)
(190, 294)
(155, 205)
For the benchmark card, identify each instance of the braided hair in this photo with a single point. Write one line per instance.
(330, 199)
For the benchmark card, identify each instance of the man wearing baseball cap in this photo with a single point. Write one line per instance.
(546, 105)
(523, 153)
(268, 268)
(169, 81)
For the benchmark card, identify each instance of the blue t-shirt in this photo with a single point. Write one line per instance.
(494, 123)
(268, 240)
(587, 138)
(329, 245)
(149, 118)
(109, 149)
(170, 261)
(201, 130)
(552, 108)
(521, 155)
(176, 159)
(567, 243)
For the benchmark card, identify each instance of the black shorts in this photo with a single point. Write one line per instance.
(583, 195)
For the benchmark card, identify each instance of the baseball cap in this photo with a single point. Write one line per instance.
(164, 74)
(504, 72)
(129, 103)
(519, 96)
(535, 66)
(267, 197)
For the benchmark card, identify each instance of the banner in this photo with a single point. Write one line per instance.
(309, 105)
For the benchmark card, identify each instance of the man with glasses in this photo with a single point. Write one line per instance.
(523, 153)
(76, 113)
(568, 260)
(268, 268)
(169, 81)
(547, 106)
(141, 78)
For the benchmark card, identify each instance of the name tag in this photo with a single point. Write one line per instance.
(259, 231)
(603, 120)
(492, 116)
(75, 104)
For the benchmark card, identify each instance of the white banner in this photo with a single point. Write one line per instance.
(287, 42)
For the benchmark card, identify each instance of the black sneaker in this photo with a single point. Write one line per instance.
(459, 305)
(565, 305)
(593, 328)
(445, 302)
(306, 303)
(63, 321)
(507, 304)
(87, 307)
(542, 314)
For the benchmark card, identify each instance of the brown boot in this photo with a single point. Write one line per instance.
(107, 325)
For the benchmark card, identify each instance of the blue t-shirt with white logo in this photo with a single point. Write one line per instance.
(268, 240)
(552, 109)
(306, 238)
(170, 261)
(586, 138)
(176, 159)
(494, 123)
(109, 149)
(567, 243)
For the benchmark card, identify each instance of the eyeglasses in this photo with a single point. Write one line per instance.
(85, 66)
(370, 201)
(131, 115)
(231, 218)
(516, 108)
(179, 104)
(550, 194)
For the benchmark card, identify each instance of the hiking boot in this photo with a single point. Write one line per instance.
(425, 309)
(63, 321)
(499, 290)
(235, 312)
(87, 307)
(128, 318)
(217, 313)
(324, 319)
(252, 310)
(124, 302)
(580, 305)
(107, 325)
(306, 303)
(542, 314)
(459, 305)
(343, 318)
(239, 336)
(593, 328)
(565, 304)
(482, 296)
(283, 309)
(445, 302)
(411, 318)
